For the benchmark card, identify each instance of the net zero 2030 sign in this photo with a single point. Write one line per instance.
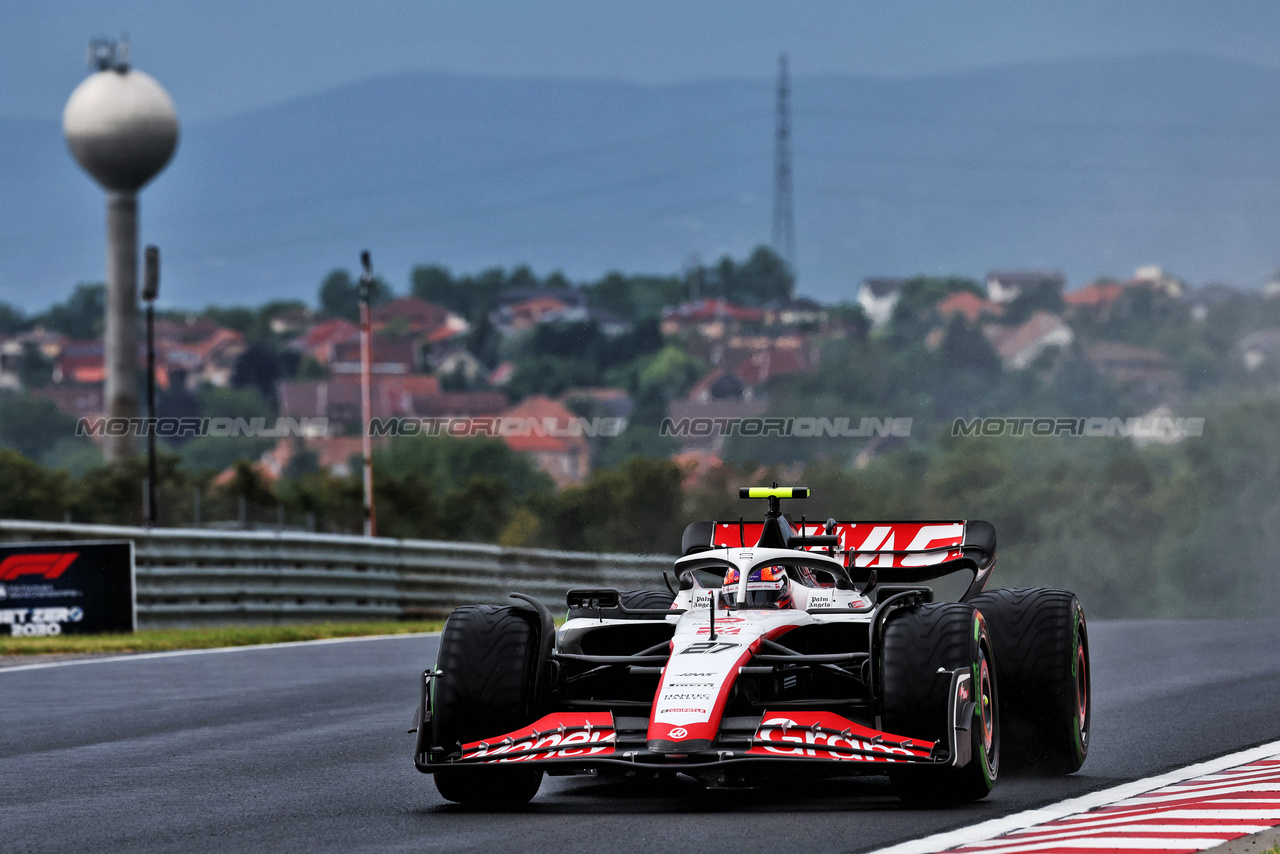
(76, 588)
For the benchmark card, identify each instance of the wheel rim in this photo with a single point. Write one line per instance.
(1082, 688)
(985, 709)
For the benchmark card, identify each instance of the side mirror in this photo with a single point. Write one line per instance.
(593, 598)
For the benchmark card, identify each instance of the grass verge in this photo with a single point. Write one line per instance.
(162, 640)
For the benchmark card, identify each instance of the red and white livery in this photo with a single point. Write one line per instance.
(780, 645)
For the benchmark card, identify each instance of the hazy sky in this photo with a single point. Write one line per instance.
(218, 58)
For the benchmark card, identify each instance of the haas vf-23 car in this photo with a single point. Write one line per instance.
(816, 649)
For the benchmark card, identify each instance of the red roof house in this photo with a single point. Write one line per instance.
(530, 428)
(970, 305)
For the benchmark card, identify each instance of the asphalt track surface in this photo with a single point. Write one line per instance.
(303, 748)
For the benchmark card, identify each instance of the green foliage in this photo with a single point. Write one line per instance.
(81, 317)
(920, 294)
(254, 323)
(340, 295)
(636, 297)
(448, 463)
(33, 425)
(110, 494)
(761, 279)
(247, 483)
(1136, 532)
(11, 319)
(637, 507)
(336, 504)
(852, 316)
(233, 403)
(275, 308)
(30, 492)
(1045, 295)
(473, 297)
(75, 456)
(559, 356)
(670, 371)
(549, 375)
(309, 369)
(36, 369)
(258, 367)
(640, 439)
(215, 453)
(237, 317)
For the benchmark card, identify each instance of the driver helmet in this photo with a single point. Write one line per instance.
(767, 587)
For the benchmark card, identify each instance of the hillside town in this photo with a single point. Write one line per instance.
(738, 354)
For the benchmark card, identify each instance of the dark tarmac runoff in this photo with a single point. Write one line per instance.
(304, 748)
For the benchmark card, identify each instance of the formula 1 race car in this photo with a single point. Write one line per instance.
(816, 649)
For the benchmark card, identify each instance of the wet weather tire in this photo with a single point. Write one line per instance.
(919, 643)
(649, 599)
(1042, 654)
(488, 660)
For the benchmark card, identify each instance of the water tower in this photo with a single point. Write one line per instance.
(122, 129)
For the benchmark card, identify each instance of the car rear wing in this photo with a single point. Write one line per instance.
(905, 552)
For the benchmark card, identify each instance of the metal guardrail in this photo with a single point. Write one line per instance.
(196, 576)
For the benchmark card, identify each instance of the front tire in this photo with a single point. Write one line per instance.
(1042, 647)
(918, 645)
(489, 659)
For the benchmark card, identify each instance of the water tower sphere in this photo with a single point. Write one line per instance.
(121, 127)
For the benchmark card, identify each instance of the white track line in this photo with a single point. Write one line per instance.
(1021, 821)
(144, 656)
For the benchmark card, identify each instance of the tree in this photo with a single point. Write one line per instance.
(637, 507)
(434, 284)
(551, 375)
(233, 403)
(762, 279)
(670, 370)
(11, 319)
(82, 317)
(340, 295)
(32, 425)
(448, 463)
(216, 453)
(637, 297)
(258, 368)
(1044, 295)
(248, 484)
(921, 294)
(36, 369)
(237, 317)
(30, 492)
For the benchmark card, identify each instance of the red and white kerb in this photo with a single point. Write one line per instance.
(1191, 815)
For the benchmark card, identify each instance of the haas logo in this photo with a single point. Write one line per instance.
(48, 565)
(678, 732)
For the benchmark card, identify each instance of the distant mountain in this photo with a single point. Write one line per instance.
(1090, 166)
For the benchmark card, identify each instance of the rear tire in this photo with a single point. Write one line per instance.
(917, 644)
(1042, 650)
(488, 660)
(655, 599)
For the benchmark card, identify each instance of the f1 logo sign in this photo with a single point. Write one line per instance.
(678, 732)
(49, 565)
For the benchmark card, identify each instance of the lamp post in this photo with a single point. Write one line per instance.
(151, 290)
(366, 398)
